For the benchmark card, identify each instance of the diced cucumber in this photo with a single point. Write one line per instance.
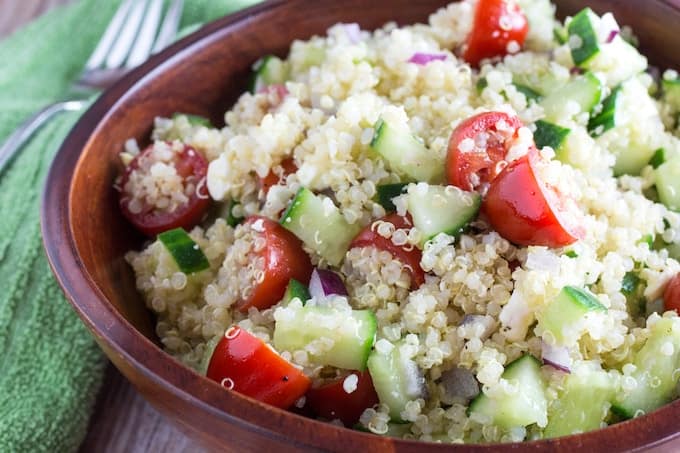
(386, 192)
(405, 154)
(560, 35)
(339, 337)
(633, 288)
(526, 406)
(671, 92)
(186, 253)
(585, 90)
(668, 183)
(541, 81)
(396, 378)
(561, 317)
(207, 355)
(658, 158)
(656, 364)
(481, 84)
(549, 134)
(295, 290)
(441, 209)
(233, 219)
(194, 120)
(529, 93)
(582, 37)
(607, 118)
(320, 225)
(583, 403)
(268, 70)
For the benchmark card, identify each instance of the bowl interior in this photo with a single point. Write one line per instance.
(204, 74)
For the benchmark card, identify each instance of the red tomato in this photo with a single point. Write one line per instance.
(410, 256)
(192, 167)
(331, 401)
(671, 295)
(527, 211)
(272, 178)
(497, 25)
(474, 168)
(284, 259)
(246, 364)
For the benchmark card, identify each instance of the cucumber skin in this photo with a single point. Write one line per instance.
(295, 289)
(582, 27)
(187, 254)
(548, 134)
(570, 305)
(606, 119)
(386, 192)
(349, 353)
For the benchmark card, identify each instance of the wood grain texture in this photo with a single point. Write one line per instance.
(86, 237)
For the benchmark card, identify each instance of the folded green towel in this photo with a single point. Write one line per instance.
(50, 367)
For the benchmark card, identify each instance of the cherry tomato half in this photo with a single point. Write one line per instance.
(192, 167)
(284, 259)
(288, 166)
(526, 210)
(478, 148)
(499, 28)
(244, 363)
(671, 295)
(332, 401)
(409, 256)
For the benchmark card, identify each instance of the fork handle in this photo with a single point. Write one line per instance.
(20, 136)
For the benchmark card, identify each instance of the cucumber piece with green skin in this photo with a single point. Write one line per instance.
(268, 70)
(296, 290)
(186, 253)
(563, 314)
(656, 364)
(668, 183)
(396, 378)
(386, 192)
(658, 158)
(607, 118)
(526, 406)
(441, 209)
(582, 37)
(583, 402)
(351, 331)
(585, 90)
(405, 154)
(320, 225)
(233, 220)
(671, 92)
(529, 93)
(549, 134)
(633, 288)
(207, 355)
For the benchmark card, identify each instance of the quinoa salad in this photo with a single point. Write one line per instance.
(462, 231)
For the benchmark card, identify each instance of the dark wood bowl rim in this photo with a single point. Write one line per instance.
(99, 315)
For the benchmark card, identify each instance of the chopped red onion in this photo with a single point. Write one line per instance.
(612, 35)
(556, 356)
(325, 283)
(353, 32)
(425, 58)
(576, 70)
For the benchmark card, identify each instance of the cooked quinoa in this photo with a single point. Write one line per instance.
(483, 295)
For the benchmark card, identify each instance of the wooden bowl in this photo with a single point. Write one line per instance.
(86, 237)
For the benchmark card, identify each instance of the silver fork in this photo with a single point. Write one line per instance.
(134, 33)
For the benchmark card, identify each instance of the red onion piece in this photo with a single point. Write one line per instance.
(576, 70)
(612, 35)
(556, 356)
(325, 283)
(353, 32)
(424, 58)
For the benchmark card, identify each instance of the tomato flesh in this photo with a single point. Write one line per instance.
(671, 295)
(284, 259)
(244, 363)
(332, 402)
(500, 27)
(409, 256)
(527, 211)
(288, 166)
(478, 149)
(192, 167)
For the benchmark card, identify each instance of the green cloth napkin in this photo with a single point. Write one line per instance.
(50, 367)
